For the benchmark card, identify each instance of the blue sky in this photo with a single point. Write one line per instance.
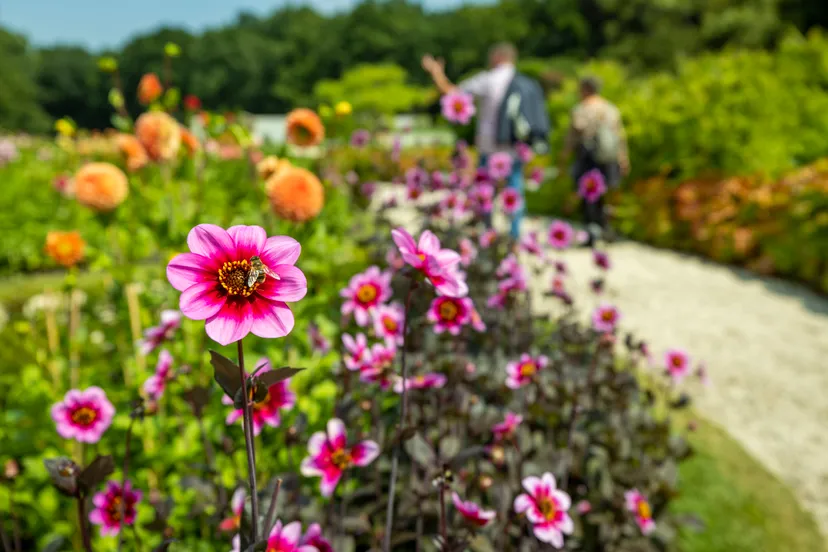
(99, 24)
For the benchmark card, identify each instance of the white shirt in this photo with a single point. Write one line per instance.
(489, 89)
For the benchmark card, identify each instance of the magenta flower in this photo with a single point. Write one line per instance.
(592, 186)
(394, 259)
(329, 455)
(377, 367)
(471, 512)
(457, 107)
(468, 252)
(560, 234)
(413, 192)
(605, 318)
(530, 244)
(214, 278)
(560, 267)
(416, 177)
(155, 384)
(426, 381)
(455, 204)
(368, 188)
(499, 165)
(521, 372)
(498, 300)
(265, 412)
(396, 149)
(486, 238)
(364, 293)
(233, 523)
(508, 267)
(524, 152)
(477, 321)
(535, 179)
(450, 314)
(437, 264)
(546, 509)
(511, 201)
(678, 364)
(287, 538)
(601, 259)
(83, 415)
(389, 322)
(155, 336)
(318, 341)
(357, 350)
(638, 505)
(107, 512)
(583, 507)
(482, 198)
(313, 537)
(360, 138)
(506, 428)
(438, 181)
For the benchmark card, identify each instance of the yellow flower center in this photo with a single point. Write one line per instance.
(528, 369)
(448, 310)
(84, 416)
(262, 403)
(366, 293)
(547, 508)
(644, 510)
(420, 380)
(115, 508)
(390, 324)
(233, 278)
(459, 106)
(341, 459)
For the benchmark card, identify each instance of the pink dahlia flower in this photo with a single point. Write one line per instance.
(155, 336)
(524, 152)
(482, 198)
(396, 149)
(233, 522)
(455, 205)
(265, 412)
(511, 201)
(389, 322)
(214, 276)
(605, 318)
(378, 366)
(592, 186)
(83, 415)
(108, 504)
(364, 293)
(506, 428)
(413, 192)
(477, 321)
(438, 180)
(560, 234)
(546, 509)
(287, 538)
(638, 505)
(360, 138)
(601, 259)
(457, 107)
(329, 455)
(468, 252)
(508, 267)
(471, 512)
(499, 165)
(521, 372)
(439, 265)
(357, 349)
(319, 342)
(416, 177)
(530, 244)
(450, 314)
(426, 381)
(313, 537)
(678, 364)
(486, 238)
(155, 384)
(535, 179)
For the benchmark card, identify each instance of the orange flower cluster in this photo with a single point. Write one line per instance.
(133, 150)
(65, 248)
(160, 135)
(304, 128)
(295, 194)
(101, 186)
(149, 89)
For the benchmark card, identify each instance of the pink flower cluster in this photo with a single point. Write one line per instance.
(155, 384)
(329, 455)
(155, 336)
(512, 280)
(364, 293)
(438, 265)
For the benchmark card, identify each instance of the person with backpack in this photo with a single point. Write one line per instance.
(511, 109)
(598, 141)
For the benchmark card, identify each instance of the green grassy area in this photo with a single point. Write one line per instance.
(744, 508)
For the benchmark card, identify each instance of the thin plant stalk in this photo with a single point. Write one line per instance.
(4, 537)
(122, 513)
(250, 446)
(134, 307)
(573, 413)
(53, 340)
(395, 461)
(84, 529)
(443, 527)
(271, 510)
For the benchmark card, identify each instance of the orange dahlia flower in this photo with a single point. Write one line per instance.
(304, 128)
(190, 141)
(149, 88)
(270, 166)
(66, 248)
(160, 135)
(136, 155)
(295, 194)
(102, 186)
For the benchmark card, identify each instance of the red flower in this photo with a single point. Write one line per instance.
(192, 103)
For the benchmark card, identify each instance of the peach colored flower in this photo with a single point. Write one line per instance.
(149, 88)
(136, 155)
(66, 248)
(295, 194)
(304, 128)
(101, 186)
(160, 135)
(190, 142)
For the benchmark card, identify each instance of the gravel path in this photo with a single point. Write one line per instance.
(764, 341)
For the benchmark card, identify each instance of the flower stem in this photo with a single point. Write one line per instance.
(84, 531)
(443, 529)
(389, 514)
(249, 444)
(271, 511)
(4, 538)
(122, 513)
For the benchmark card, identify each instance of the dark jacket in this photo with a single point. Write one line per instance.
(523, 116)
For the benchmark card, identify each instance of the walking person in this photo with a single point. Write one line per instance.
(598, 141)
(499, 128)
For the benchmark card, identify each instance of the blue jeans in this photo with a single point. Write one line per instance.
(516, 182)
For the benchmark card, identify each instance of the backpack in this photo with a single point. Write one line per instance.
(523, 116)
(605, 145)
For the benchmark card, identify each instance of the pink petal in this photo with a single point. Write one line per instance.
(549, 482)
(249, 240)
(404, 240)
(277, 529)
(291, 286)
(187, 269)
(548, 533)
(336, 433)
(270, 319)
(563, 500)
(429, 243)
(280, 250)
(310, 469)
(96, 517)
(201, 301)
(329, 482)
(365, 452)
(566, 525)
(522, 503)
(316, 443)
(211, 241)
(237, 502)
(231, 323)
(532, 485)
(291, 533)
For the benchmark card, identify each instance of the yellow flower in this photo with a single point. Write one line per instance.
(65, 127)
(325, 111)
(343, 108)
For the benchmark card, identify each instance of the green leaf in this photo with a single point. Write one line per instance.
(226, 374)
(121, 123)
(116, 99)
(420, 451)
(171, 98)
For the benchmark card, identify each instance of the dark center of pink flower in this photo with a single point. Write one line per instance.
(459, 106)
(448, 310)
(558, 235)
(609, 316)
(233, 278)
(510, 200)
(643, 508)
(677, 361)
(341, 459)
(547, 507)
(114, 508)
(367, 293)
(262, 403)
(590, 185)
(528, 369)
(390, 324)
(84, 416)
